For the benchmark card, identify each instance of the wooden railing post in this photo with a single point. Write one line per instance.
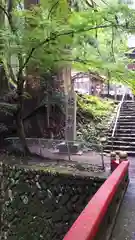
(114, 162)
(123, 156)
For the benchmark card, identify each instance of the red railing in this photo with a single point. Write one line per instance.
(87, 224)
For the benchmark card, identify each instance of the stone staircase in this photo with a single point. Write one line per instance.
(124, 138)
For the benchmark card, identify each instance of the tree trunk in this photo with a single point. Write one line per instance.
(20, 83)
(21, 133)
(3, 79)
(19, 117)
(2, 15)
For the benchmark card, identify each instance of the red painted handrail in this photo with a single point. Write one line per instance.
(87, 224)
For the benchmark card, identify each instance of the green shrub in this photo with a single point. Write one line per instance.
(93, 115)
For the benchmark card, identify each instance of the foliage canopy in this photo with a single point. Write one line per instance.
(53, 34)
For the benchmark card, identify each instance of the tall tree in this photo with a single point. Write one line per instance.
(90, 36)
(3, 78)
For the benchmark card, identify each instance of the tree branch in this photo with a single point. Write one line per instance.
(53, 37)
(8, 17)
(4, 11)
(52, 8)
(112, 44)
(91, 4)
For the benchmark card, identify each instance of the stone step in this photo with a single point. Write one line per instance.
(130, 153)
(120, 148)
(122, 143)
(130, 110)
(122, 135)
(129, 116)
(127, 109)
(124, 108)
(127, 127)
(126, 116)
(126, 123)
(125, 131)
(122, 129)
(126, 119)
(123, 138)
(127, 113)
(128, 106)
(128, 103)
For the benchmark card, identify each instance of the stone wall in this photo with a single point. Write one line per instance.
(36, 204)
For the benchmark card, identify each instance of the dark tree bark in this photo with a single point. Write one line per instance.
(3, 79)
(20, 91)
(19, 117)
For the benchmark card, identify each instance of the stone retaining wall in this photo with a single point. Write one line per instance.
(36, 204)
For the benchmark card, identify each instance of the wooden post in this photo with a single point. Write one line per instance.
(123, 156)
(114, 162)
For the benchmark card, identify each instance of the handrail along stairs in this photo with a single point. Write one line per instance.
(117, 117)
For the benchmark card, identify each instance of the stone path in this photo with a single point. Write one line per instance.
(125, 224)
(89, 157)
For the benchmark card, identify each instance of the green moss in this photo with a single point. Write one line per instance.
(94, 106)
(93, 115)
